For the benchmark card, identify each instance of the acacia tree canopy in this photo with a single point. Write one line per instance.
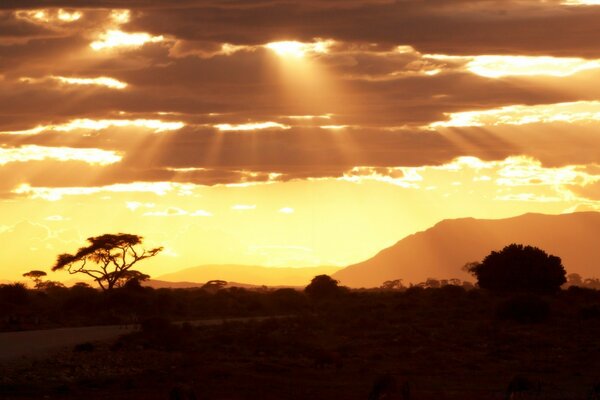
(108, 259)
(36, 276)
(519, 268)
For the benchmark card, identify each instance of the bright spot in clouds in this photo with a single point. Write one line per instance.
(100, 124)
(39, 153)
(526, 171)
(298, 49)
(577, 111)
(581, 2)
(251, 126)
(49, 15)
(496, 66)
(120, 16)
(100, 81)
(68, 16)
(499, 66)
(54, 194)
(115, 38)
(286, 210)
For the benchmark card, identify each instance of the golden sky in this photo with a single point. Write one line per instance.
(288, 133)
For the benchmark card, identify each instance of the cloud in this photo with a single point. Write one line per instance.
(241, 108)
(38, 153)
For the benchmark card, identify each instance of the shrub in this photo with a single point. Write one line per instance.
(518, 268)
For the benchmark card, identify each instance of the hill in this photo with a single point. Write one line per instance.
(441, 251)
(159, 284)
(249, 274)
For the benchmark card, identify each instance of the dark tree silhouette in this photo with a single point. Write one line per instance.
(108, 259)
(519, 268)
(395, 284)
(322, 286)
(36, 276)
(214, 285)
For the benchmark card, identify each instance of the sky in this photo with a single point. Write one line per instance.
(288, 133)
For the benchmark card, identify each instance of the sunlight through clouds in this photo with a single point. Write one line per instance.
(100, 81)
(579, 111)
(498, 66)
(299, 49)
(54, 194)
(39, 153)
(581, 2)
(100, 124)
(526, 171)
(69, 80)
(49, 16)
(116, 38)
(251, 126)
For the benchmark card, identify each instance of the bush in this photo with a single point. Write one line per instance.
(518, 268)
(323, 286)
(524, 309)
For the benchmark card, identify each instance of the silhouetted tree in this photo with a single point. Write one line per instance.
(36, 276)
(14, 293)
(214, 285)
(132, 278)
(108, 259)
(322, 286)
(519, 268)
(432, 283)
(395, 284)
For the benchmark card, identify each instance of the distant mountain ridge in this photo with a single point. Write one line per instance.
(249, 274)
(441, 251)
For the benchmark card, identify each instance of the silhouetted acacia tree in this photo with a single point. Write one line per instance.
(394, 284)
(36, 276)
(519, 268)
(108, 259)
(322, 286)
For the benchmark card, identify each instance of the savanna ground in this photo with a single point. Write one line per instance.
(448, 343)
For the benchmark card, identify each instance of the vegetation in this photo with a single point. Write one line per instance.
(36, 276)
(437, 339)
(322, 287)
(108, 259)
(445, 342)
(519, 268)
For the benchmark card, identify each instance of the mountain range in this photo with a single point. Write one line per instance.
(441, 251)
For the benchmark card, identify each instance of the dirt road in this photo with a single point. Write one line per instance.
(39, 343)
